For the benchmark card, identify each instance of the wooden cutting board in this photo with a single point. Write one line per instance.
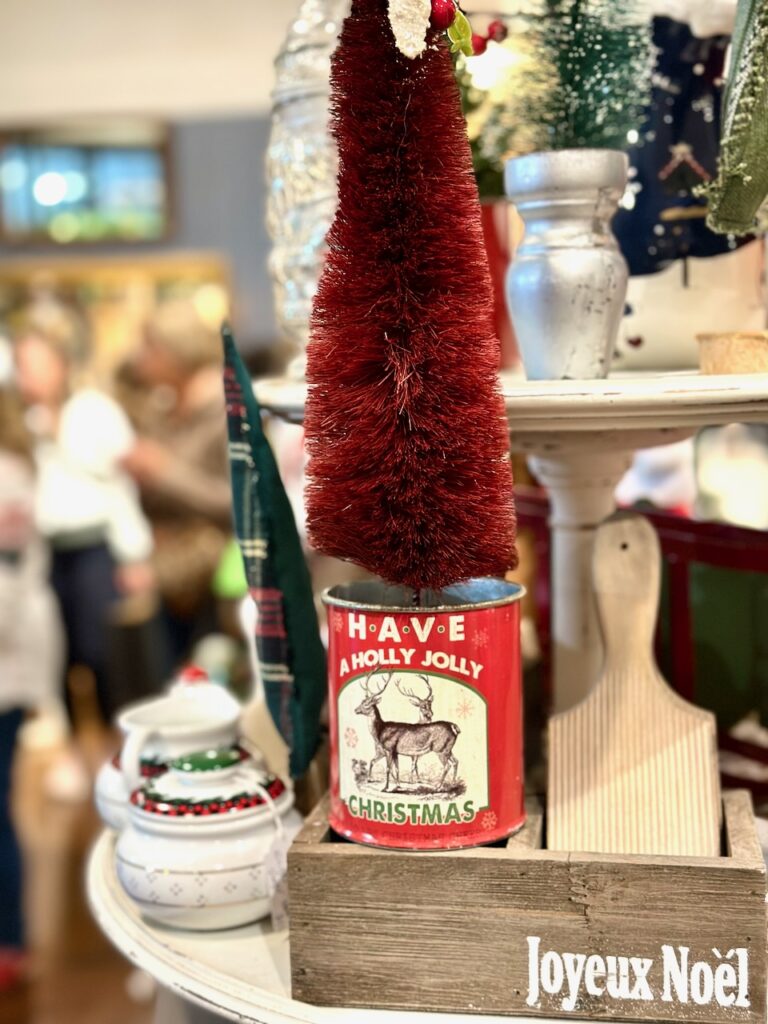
(633, 767)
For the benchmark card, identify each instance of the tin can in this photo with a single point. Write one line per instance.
(425, 714)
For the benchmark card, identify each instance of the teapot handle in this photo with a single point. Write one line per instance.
(276, 860)
(274, 814)
(130, 756)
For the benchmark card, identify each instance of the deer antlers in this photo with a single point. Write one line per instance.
(411, 695)
(381, 689)
(406, 692)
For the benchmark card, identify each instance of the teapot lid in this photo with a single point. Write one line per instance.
(193, 674)
(192, 693)
(210, 784)
(193, 682)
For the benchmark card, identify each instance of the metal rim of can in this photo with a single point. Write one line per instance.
(375, 596)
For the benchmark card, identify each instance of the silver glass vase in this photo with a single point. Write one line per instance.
(301, 167)
(567, 282)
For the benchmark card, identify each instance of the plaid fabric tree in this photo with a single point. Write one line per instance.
(290, 651)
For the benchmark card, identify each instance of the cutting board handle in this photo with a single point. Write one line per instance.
(626, 572)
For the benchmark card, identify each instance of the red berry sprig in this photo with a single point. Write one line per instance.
(448, 16)
(443, 14)
(497, 32)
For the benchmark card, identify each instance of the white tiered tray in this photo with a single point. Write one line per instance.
(239, 975)
(580, 437)
(657, 403)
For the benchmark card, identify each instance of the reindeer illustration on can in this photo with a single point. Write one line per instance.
(424, 706)
(410, 739)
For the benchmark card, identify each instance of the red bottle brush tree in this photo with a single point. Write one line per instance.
(409, 472)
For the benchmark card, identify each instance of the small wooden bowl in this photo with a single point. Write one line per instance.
(734, 352)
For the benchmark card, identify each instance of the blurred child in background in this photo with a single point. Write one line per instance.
(86, 505)
(30, 653)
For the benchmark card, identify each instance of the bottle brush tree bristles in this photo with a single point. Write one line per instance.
(409, 472)
(593, 81)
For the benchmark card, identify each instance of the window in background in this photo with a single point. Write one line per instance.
(85, 182)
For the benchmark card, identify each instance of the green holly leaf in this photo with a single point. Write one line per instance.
(460, 34)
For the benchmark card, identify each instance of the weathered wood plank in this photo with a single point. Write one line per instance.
(315, 829)
(743, 843)
(480, 931)
(531, 836)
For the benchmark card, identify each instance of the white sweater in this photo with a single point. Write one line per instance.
(81, 486)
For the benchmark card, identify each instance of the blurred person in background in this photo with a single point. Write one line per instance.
(181, 466)
(86, 505)
(30, 653)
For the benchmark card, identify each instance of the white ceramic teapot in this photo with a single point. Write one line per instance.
(206, 842)
(195, 714)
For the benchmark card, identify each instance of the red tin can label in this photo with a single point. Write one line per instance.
(426, 720)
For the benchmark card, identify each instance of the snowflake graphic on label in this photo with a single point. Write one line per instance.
(482, 638)
(418, 736)
(489, 820)
(464, 708)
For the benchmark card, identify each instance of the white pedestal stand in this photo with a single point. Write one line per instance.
(580, 437)
(581, 488)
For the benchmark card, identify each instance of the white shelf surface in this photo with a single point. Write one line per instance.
(625, 401)
(241, 975)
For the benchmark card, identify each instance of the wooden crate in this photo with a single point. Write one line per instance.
(521, 930)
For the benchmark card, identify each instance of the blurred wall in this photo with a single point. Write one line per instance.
(221, 199)
(205, 67)
(175, 58)
(219, 192)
